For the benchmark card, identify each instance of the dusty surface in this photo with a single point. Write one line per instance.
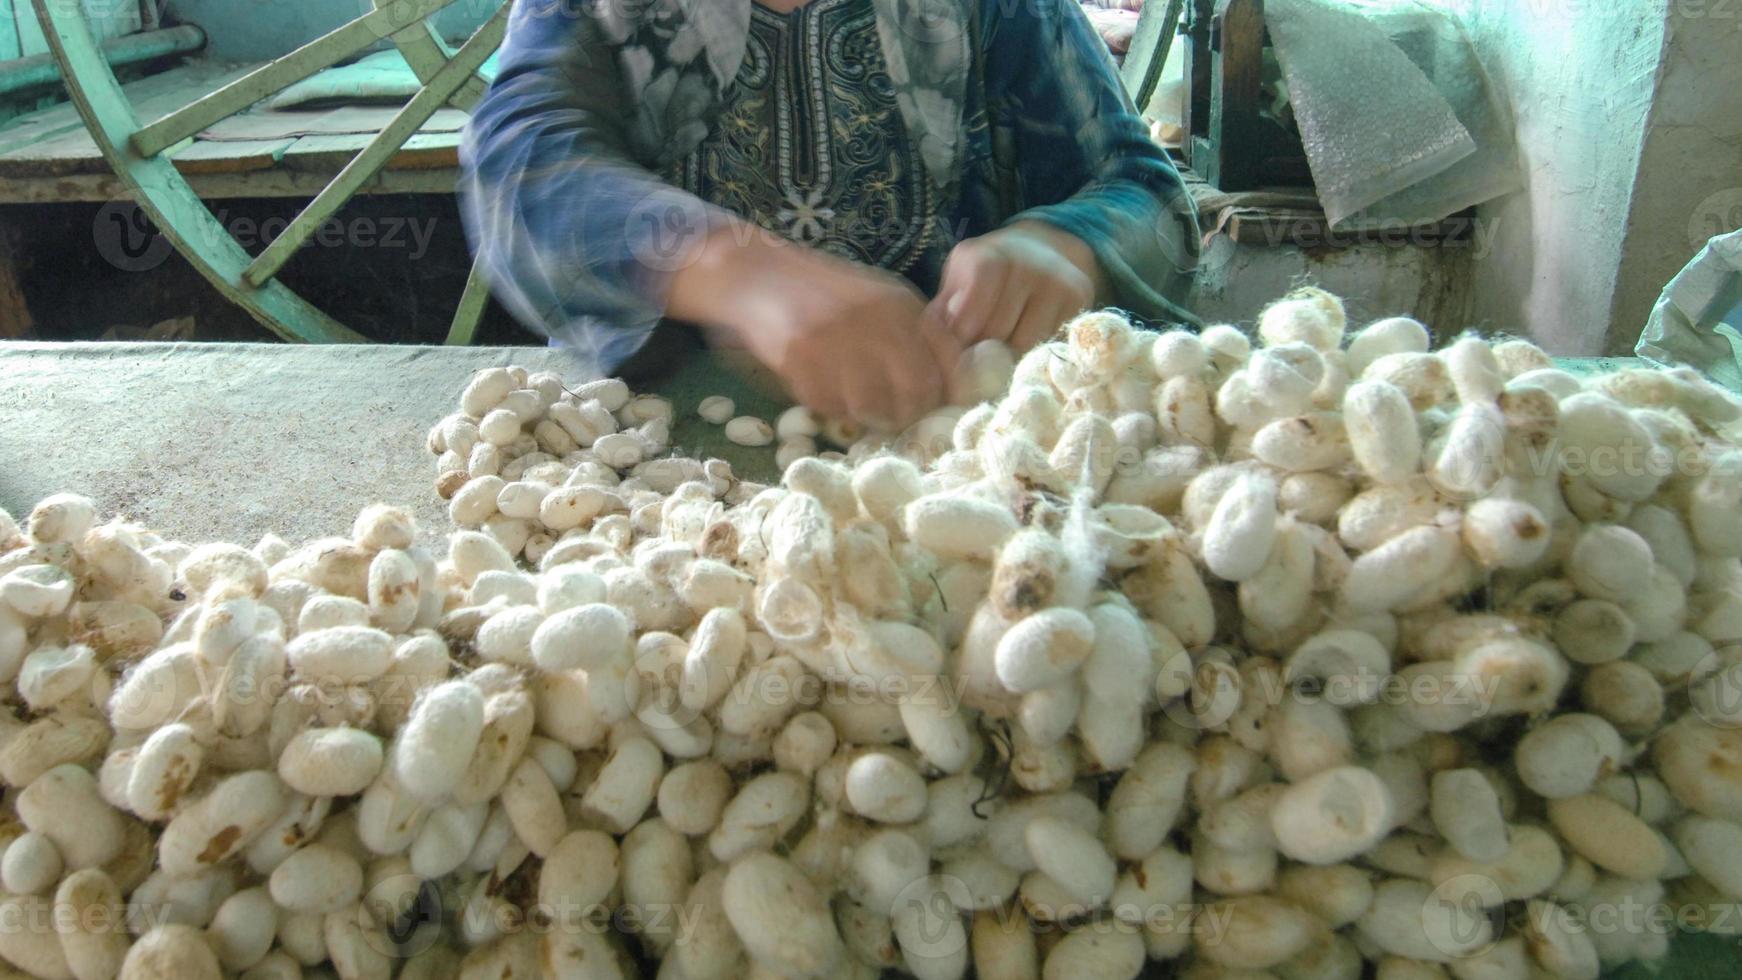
(230, 441)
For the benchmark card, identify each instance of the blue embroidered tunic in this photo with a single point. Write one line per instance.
(810, 144)
(881, 130)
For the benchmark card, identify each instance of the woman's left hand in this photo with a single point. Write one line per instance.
(1018, 284)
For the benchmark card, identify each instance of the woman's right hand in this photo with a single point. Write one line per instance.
(846, 339)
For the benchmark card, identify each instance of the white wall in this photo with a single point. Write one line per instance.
(1581, 76)
(1689, 186)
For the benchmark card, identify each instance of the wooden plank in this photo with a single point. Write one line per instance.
(370, 162)
(277, 182)
(275, 75)
(471, 310)
(230, 156)
(275, 123)
(73, 151)
(329, 154)
(426, 53)
(184, 82)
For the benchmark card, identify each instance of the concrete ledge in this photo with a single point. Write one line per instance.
(228, 442)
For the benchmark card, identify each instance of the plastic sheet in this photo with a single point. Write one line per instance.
(1698, 319)
(1400, 121)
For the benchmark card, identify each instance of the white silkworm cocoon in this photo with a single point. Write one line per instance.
(1606, 561)
(1238, 537)
(436, 743)
(1332, 816)
(1559, 942)
(31, 865)
(1073, 858)
(164, 768)
(1471, 455)
(579, 875)
(1176, 353)
(1405, 919)
(1147, 799)
(928, 928)
(936, 727)
(1391, 574)
(1183, 412)
(1474, 369)
(881, 787)
(1566, 755)
(780, 917)
(585, 637)
(220, 824)
(958, 526)
(1466, 811)
(1043, 649)
(316, 878)
(89, 911)
(37, 591)
(762, 812)
(692, 795)
(748, 430)
(171, 950)
(1303, 443)
(329, 761)
(1258, 932)
(1383, 434)
(626, 786)
(1608, 835)
(1513, 674)
(1087, 452)
(1504, 533)
(1610, 448)
(716, 409)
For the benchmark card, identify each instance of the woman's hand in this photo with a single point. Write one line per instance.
(847, 340)
(1018, 284)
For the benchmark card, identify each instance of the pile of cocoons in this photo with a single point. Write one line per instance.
(1310, 654)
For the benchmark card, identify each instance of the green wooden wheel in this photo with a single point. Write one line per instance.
(139, 152)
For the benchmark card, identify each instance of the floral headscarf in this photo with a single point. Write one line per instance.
(682, 55)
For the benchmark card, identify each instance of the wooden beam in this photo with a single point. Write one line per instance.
(472, 303)
(368, 163)
(277, 75)
(230, 156)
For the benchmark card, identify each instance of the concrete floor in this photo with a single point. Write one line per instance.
(228, 442)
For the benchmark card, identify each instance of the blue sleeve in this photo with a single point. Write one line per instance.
(577, 236)
(1084, 159)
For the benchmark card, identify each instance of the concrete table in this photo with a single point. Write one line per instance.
(210, 442)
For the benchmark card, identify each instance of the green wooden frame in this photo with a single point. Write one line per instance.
(140, 153)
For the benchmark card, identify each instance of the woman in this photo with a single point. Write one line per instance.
(798, 176)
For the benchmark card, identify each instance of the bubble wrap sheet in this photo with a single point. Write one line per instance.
(1399, 119)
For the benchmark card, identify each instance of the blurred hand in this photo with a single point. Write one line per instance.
(848, 341)
(1018, 284)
